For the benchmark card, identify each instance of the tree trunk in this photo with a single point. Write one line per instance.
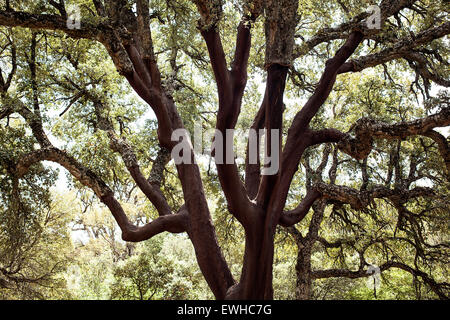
(303, 272)
(256, 276)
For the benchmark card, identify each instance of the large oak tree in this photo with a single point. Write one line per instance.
(258, 202)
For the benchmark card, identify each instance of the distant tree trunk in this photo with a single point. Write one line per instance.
(303, 273)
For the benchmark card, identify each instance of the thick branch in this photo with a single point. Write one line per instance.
(152, 192)
(361, 199)
(253, 171)
(387, 8)
(443, 146)
(401, 49)
(210, 13)
(82, 174)
(299, 135)
(48, 22)
(438, 288)
(281, 20)
(172, 223)
(230, 87)
(326, 82)
(366, 130)
(292, 217)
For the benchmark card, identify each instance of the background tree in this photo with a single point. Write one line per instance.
(155, 67)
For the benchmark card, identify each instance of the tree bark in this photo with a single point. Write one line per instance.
(256, 277)
(303, 273)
